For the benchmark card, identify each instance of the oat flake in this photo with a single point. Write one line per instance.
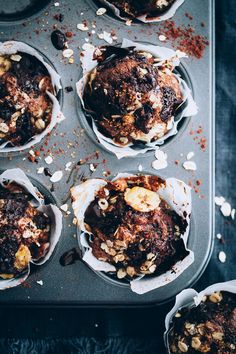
(56, 177)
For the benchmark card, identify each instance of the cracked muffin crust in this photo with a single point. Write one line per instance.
(133, 98)
(24, 231)
(25, 107)
(208, 328)
(136, 8)
(134, 229)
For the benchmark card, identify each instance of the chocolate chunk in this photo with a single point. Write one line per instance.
(58, 39)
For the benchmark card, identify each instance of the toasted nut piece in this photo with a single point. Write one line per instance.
(178, 315)
(40, 124)
(23, 257)
(4, 128)
(121, 273)
(15, 57)
(119, 258)
(5, 65)
(104, 247)
(130, 271)
(120, 244)
(111, 252)
(216, 297)
(152, 268)
(150, 256)
(218, 335)
(141, 199)
(196, 343)
(124, 140)
(182, 347)
(109, 243)
(103, 204)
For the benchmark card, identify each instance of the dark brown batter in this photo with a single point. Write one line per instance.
(208, 328)
(132, 98)
(136, 242)
(25, 108)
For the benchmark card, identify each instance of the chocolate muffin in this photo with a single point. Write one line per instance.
(24, 231)
(132, 97)
(25, 107)
(207, 328)
(136, 8)
(134, 229)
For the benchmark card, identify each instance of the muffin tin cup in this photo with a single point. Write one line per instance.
(12, 47)
(18, 176)
(191, 298)
(144, 18)
(17, 11)
(187, 109)
(176, 193)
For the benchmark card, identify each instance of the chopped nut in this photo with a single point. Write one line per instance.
(150, 256)
(130, 271)
(178, 315)
(218, 335)
(4, 127)
(152, 268)
(183, 347)
(121, 273)
(104, 247)
(40, 124)
(195, 343)
(215, 297)
(111, 252)
(103, 204)
(119, 258)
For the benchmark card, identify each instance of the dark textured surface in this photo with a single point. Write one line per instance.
(145, 326)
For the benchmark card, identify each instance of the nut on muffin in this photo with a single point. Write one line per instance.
(208, 328)
(25, 107)
(134, 229)
(133, 98)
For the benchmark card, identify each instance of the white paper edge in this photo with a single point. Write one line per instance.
(164, 54)
(12, 47)
(190, 297)
(84, 194)
(18, 176)
(144, 18)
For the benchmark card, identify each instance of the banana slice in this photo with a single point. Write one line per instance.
(5, 65)
(23, 257)
(141, 199)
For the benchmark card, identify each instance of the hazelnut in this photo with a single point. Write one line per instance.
(130, 271)
(40, 124)
(215, 297)
(182, 347)
(121, 273)
(218, 335)
(195, 343)
(119, 258)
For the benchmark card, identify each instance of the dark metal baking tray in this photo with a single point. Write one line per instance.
(77, 285)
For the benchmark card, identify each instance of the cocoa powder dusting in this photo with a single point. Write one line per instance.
(184, 38)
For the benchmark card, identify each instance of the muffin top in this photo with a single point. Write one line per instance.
(24, 231)
(25, 108)
(134, 229)
(207, 328)
(133, 98)
(135, 8)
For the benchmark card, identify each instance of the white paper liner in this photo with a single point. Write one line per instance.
(163, 54)
(144, 18)
(12, 47)
(190, 298)
(18, 176)
(176, 193)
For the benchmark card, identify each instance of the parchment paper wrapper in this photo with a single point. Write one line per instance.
(163, 54)
(12, 47)
(145, 18)
(176, 193)
(18, 176)
(191, 298)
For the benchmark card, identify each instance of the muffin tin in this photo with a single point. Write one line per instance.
(76, 284)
